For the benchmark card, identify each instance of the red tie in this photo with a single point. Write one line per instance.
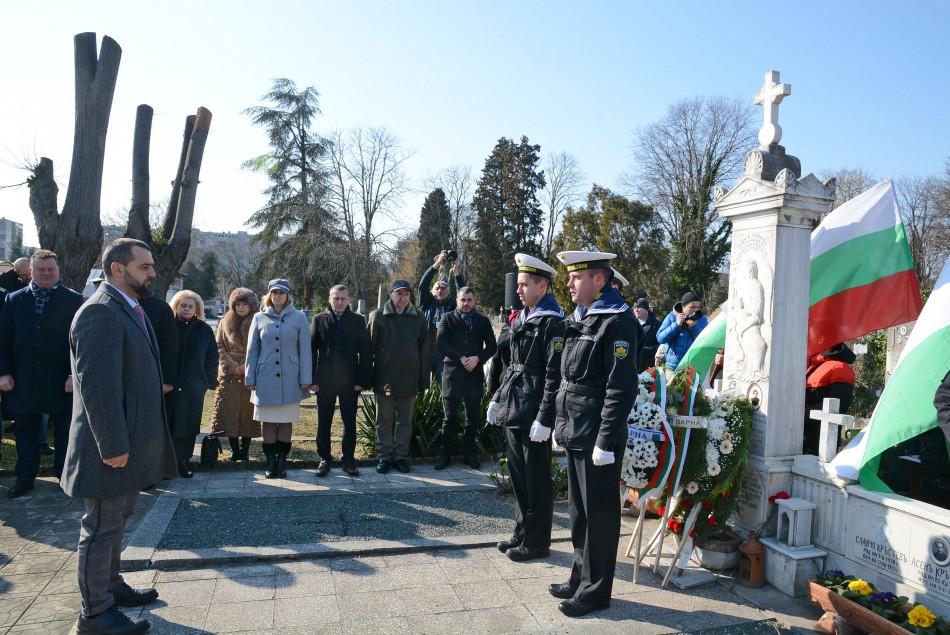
(140, 314)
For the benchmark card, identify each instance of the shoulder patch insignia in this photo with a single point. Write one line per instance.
(557, 343)
(621, 348)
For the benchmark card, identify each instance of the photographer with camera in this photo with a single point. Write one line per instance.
(438, 300)
(681, 328)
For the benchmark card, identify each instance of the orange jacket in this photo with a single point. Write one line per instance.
(823, 371)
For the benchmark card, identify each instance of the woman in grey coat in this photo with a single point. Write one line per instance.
(278, 371)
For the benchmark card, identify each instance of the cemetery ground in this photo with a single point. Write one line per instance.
(230, 551)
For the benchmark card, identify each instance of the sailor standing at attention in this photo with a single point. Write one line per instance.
(598, 388)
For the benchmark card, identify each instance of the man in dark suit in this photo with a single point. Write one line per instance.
(119, 441)
(466, 341)
(15, 279)
(342, 363)
(162, 320)
(34, 365)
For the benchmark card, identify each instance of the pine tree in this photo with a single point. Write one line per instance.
(509, 217)
(435, 225)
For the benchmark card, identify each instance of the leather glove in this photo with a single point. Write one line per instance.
(539, 433)
(601, 457)
(492, 411)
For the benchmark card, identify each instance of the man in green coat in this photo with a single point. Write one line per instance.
(400, 346)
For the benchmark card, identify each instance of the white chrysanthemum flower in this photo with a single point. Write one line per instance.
(645, 378)
(712, 454)
(726, 447)
(727, 436)
(651, 460)
(692, 487)
(714, 469)
(716, 427)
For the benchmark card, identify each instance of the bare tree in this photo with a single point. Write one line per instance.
(458, 184)
(367, 181)
(699, 144)
(850, 183)
(926, 218)
(76, 232)
(563, 190)
(170, 242)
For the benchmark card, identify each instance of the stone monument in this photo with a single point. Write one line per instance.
(772, 209)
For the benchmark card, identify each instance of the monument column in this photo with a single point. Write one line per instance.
(772, 210)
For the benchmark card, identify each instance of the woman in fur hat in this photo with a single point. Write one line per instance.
(233, 411)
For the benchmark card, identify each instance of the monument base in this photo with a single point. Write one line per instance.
(763, 478)
(789, 569)
(897, 544)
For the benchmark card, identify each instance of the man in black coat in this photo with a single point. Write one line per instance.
(342, 363)
(598, 388)
(466, 341)
(162, 319)
(524, 405)
(15, 279)
(34, 364)
(649, 325)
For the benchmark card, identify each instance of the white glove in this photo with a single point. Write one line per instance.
(539, 433)
(493, 407)
(602, 458)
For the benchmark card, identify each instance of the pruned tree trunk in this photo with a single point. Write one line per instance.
(76, 232)
(171, 243)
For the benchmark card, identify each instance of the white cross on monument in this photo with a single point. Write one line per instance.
(769, 97)
(831, 420)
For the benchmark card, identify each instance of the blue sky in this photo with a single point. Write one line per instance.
(450, 78)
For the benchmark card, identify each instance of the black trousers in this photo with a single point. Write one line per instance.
(326, 402)
(100, 550)
(529, 467)
(473, 410)
(184, 448)
(594, 509)
(28, 442)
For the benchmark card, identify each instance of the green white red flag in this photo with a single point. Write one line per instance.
(906, 407)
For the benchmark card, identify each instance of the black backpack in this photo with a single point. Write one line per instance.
(210, 449)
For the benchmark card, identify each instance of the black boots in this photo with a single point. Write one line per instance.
(21, 487)
(245, 448)
(444, 461)
(235, 449)
(283, 449)
(270, 466)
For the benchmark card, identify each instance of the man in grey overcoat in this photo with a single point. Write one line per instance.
(118, 441)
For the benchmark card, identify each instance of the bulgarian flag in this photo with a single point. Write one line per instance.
(862, 273)
(906, 408)
(862, 278)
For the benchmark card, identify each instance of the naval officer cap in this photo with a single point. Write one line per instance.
(619, 279)
(579, 260)
(530, 264)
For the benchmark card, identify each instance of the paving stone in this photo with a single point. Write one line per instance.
(35, 563)
(66, 581)
(369, 605)
(12, 608)
(533, 591)
(365, 564)
(186, 593)
(60, 627)
(302, 566)
(380, 626)
(471, 570)
(244, 589)
(478, 595)
(501, 620)
(240, 616)
(429, 600)
(357, 581)
(304, 585)
(26, 584)
(176, 620)
(302, 612)
(51, 608)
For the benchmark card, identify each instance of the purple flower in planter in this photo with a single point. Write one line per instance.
(834, 574)
(884, 598)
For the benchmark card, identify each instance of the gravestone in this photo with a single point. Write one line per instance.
(896, 339)
(772, 209)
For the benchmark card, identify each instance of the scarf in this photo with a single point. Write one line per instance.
(610, 301)
(546, 306)
(42, 296)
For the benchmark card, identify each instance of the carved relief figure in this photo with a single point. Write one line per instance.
(749, 314)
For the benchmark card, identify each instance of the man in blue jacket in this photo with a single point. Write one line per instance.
(681, 328)
(437, 301)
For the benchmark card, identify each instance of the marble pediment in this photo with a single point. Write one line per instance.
(785, 184)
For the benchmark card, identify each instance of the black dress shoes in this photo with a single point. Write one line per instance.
(444, 461)
(403, 466)
(505, 545)
(112, 621)
(324, 468)
(522, 553)
(472, 461)
(576, 608)
(561, 591)
(349, 468)
(128, 597)
(383, 466)
(21, 487)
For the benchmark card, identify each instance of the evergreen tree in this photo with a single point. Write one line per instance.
(509, 217)
(296, 229)
(435, 226)
(613, 223)
(202, 278)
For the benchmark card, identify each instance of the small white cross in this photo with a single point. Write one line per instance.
(830, 421)
(770, 96)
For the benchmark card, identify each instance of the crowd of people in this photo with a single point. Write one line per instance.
(122, 378)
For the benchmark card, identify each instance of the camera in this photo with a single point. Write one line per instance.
(450, 254)
(695, 315)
